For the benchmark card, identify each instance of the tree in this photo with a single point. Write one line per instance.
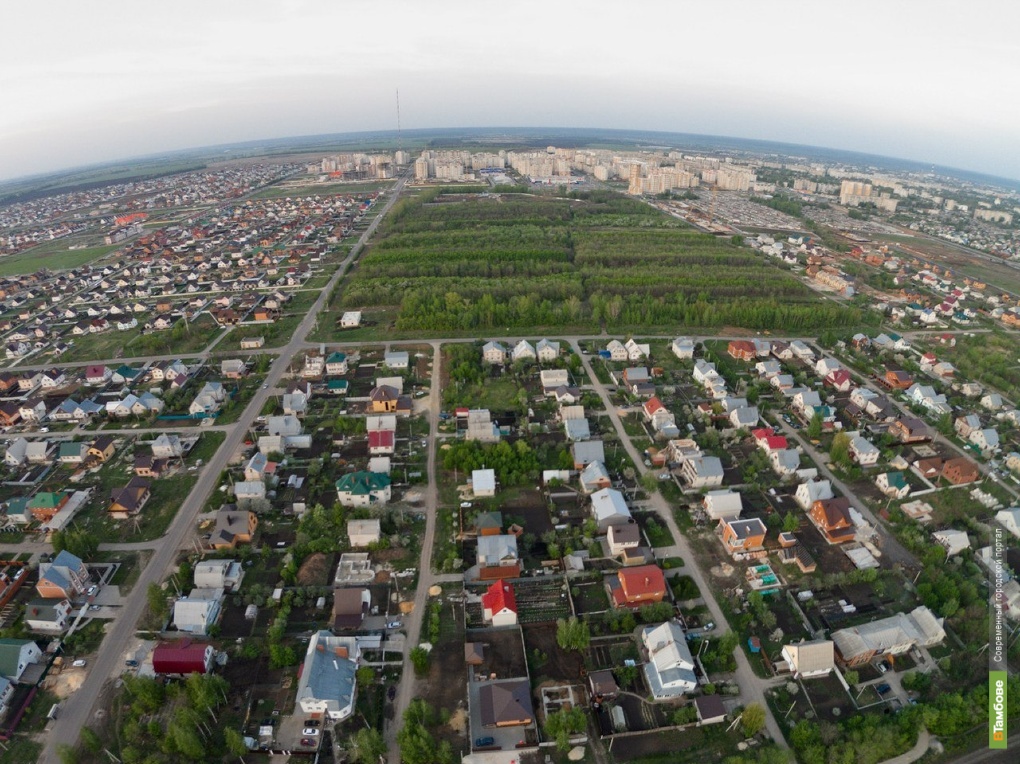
(852, 677)
(158, 604)
(234, 741)
(572, 634)
(92, 742)
(560, 725)
(67, 754)
(752, 720)
(366, 746)
(791, 523)
(814, 428)
(840, 451)
(420, 660)
(78, 542)
(684, 715)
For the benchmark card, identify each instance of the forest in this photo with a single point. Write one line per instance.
(462, 262)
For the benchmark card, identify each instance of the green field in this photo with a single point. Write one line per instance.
(53, 255)
(465, 262)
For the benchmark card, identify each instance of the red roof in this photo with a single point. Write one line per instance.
(180, 658)
(500, 596)
(642, 581)
(381, 439)
(838, 377)
(652, 405)
(775, 442)
(761, 432)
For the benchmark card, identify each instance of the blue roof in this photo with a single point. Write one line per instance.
(67, 560)
(330, 677)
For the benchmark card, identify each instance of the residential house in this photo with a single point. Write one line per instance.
(249, 490)
(233, 368)
(992, 401)
(895, 635)
(362, 489)
(832, 519)
(637, 586)
(130, 499)
(808, 659)
(960, 470)
(48, 616)
(811, 491)
(219, 574)
(547, 351)
(363, 533)
(97, 374)
(670, 666)
(723, 505)
(233, 526)
(609, 508)
(702, 472)
(910, 430)
(480, 427)
(863, 451)
(336, 363)
(167, 447)
(64, 577)
(594, 477)
(768, 369)
(209, 399)
(523, 351)
(683, 348)
(617, 352)
(16, 655)
(483, 483)
(498, 557)
(742, 350)
(494, 353)
(785, 462)
(383, 399)
(635, 351)
(499, 605)
(840, 380)
(72, 453)
(198, 611)
(505, 703)
(396, 359)
(893, 484)
(987, 440)
(351, 319)
(45, 504)
(350, 606)
(327, 684)
(744, 418)
(182, 658)
(740, 536)
(1010, 520)
(897, 379)
(625, 540)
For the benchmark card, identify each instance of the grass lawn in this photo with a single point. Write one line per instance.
(152, 522)
(187, 339)
(207, 444)
(494, 394)
(53, 255)
(131, 564)
(94, 347)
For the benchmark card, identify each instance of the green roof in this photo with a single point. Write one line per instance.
(10, 651)
(46, 500)
(362, 483)
(72, 449)
(896, 480)
(17, 506)
(336, 357)
(338, 384)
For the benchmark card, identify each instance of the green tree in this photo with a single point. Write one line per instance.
(852, 677)
(572, 634)
(814, 428)
(77, 541)
(420, 660)
(791, 523)
(839, 453)
(234, 742)
(366, 746)
(752, 720)
(92, 742)
(560, 725)
(67, 754)
(159, 606)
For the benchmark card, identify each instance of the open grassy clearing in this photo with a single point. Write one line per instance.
(53, 255)
(456, 262)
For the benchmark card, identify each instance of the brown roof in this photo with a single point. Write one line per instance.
(506, 702)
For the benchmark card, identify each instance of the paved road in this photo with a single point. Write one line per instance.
(77, 709)
(413, 623)
(752, 688)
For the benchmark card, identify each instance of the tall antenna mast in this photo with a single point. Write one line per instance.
(400, 144)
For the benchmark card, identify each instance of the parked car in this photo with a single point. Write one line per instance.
(883, 688)
(80, 663)
(393, 625)
(130, 662)
(308, 742)
(310, 731)
(391, 692)
(311, 722)
(483, 742)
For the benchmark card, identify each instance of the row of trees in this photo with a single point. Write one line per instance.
(515, 464)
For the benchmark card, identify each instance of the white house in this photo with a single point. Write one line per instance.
(863, 451)
(635, 351)
(499, 605)
(683, 348)
(992, 401)
(617, 351)
(16, 655)
(199, 610)
(811, 491)
(785, 462)
(483, 483)
(670, 666)
(1009, 519)
(523, 351)
(893, 485)
(494, 353)
(609, 508)
(723, 505)
(702, 472)
(810, 659)
(219, 574)
(364, 532)
(547, 351)
(351, 319)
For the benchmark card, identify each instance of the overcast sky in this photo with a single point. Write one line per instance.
(932, 81)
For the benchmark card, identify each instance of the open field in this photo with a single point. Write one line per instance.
(984, 268)
(53, 255)
(462, 262)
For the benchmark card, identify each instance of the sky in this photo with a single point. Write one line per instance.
(89, 82)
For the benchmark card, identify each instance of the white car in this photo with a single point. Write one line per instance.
(80, 663)
(310, 731)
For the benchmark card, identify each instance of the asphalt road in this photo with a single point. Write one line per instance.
(77, 709)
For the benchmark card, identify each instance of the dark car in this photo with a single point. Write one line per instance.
(484, 742)
(311, 722)
(883, 688)
(391, 693)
